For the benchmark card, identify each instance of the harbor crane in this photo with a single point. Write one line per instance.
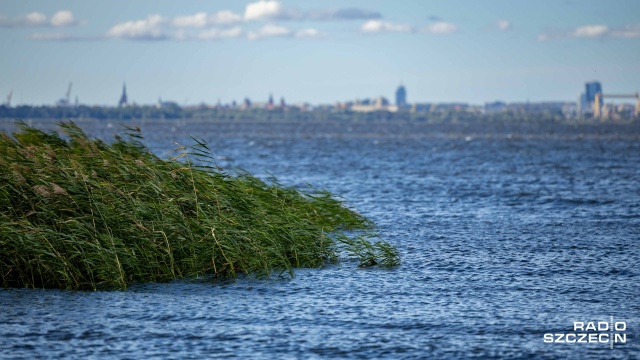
(597, 107)
(66, 101)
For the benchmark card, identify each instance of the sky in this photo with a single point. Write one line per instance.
(320, 52)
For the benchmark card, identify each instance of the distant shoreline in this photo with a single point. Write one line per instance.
(435, 114)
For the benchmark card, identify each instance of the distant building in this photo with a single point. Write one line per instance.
(495, 107)
(381, 101)
(588, 98)
(379, 104)
(582, 104)
(591, 89)
(123, 98)
(162, 104)
(401, 97)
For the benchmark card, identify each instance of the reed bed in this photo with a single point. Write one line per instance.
(80, 213)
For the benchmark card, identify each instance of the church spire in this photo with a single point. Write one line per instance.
(123, 99)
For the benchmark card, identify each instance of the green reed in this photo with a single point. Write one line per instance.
(78, 213)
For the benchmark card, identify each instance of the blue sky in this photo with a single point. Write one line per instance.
(194, 51)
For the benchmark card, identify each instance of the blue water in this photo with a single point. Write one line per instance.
(505, 233)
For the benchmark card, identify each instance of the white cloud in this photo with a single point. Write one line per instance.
(503, 25)
(440, 27)
(202, 19)
(344, 14)
(377, 26)
(155, 27)
(274, 10)
(37, 19)
(271, 30)
(590, 31)
(268, 30)
(197, 20)
(262, 10)
(307, 33)
(593, 32)
(270, 10)
(215, 34)
(225, 17)
(231, 33)
(147, 29)
(63, 18)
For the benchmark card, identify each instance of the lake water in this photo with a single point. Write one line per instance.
(506, 233)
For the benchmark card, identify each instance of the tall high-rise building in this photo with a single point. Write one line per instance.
(401, 97)
(123, 98)
(591, 89)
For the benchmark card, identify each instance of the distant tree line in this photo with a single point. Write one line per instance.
(174, 111)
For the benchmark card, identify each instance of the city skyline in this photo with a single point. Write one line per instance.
(199, 52)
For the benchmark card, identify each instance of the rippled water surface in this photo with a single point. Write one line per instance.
(505, 234)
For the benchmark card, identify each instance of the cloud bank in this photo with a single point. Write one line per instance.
(270, 10)
(379, 26)
(226, 24)
(146, 29)
(597, 31)
(62, 18)
(203, 19)
(344, 14)
(259, 20)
